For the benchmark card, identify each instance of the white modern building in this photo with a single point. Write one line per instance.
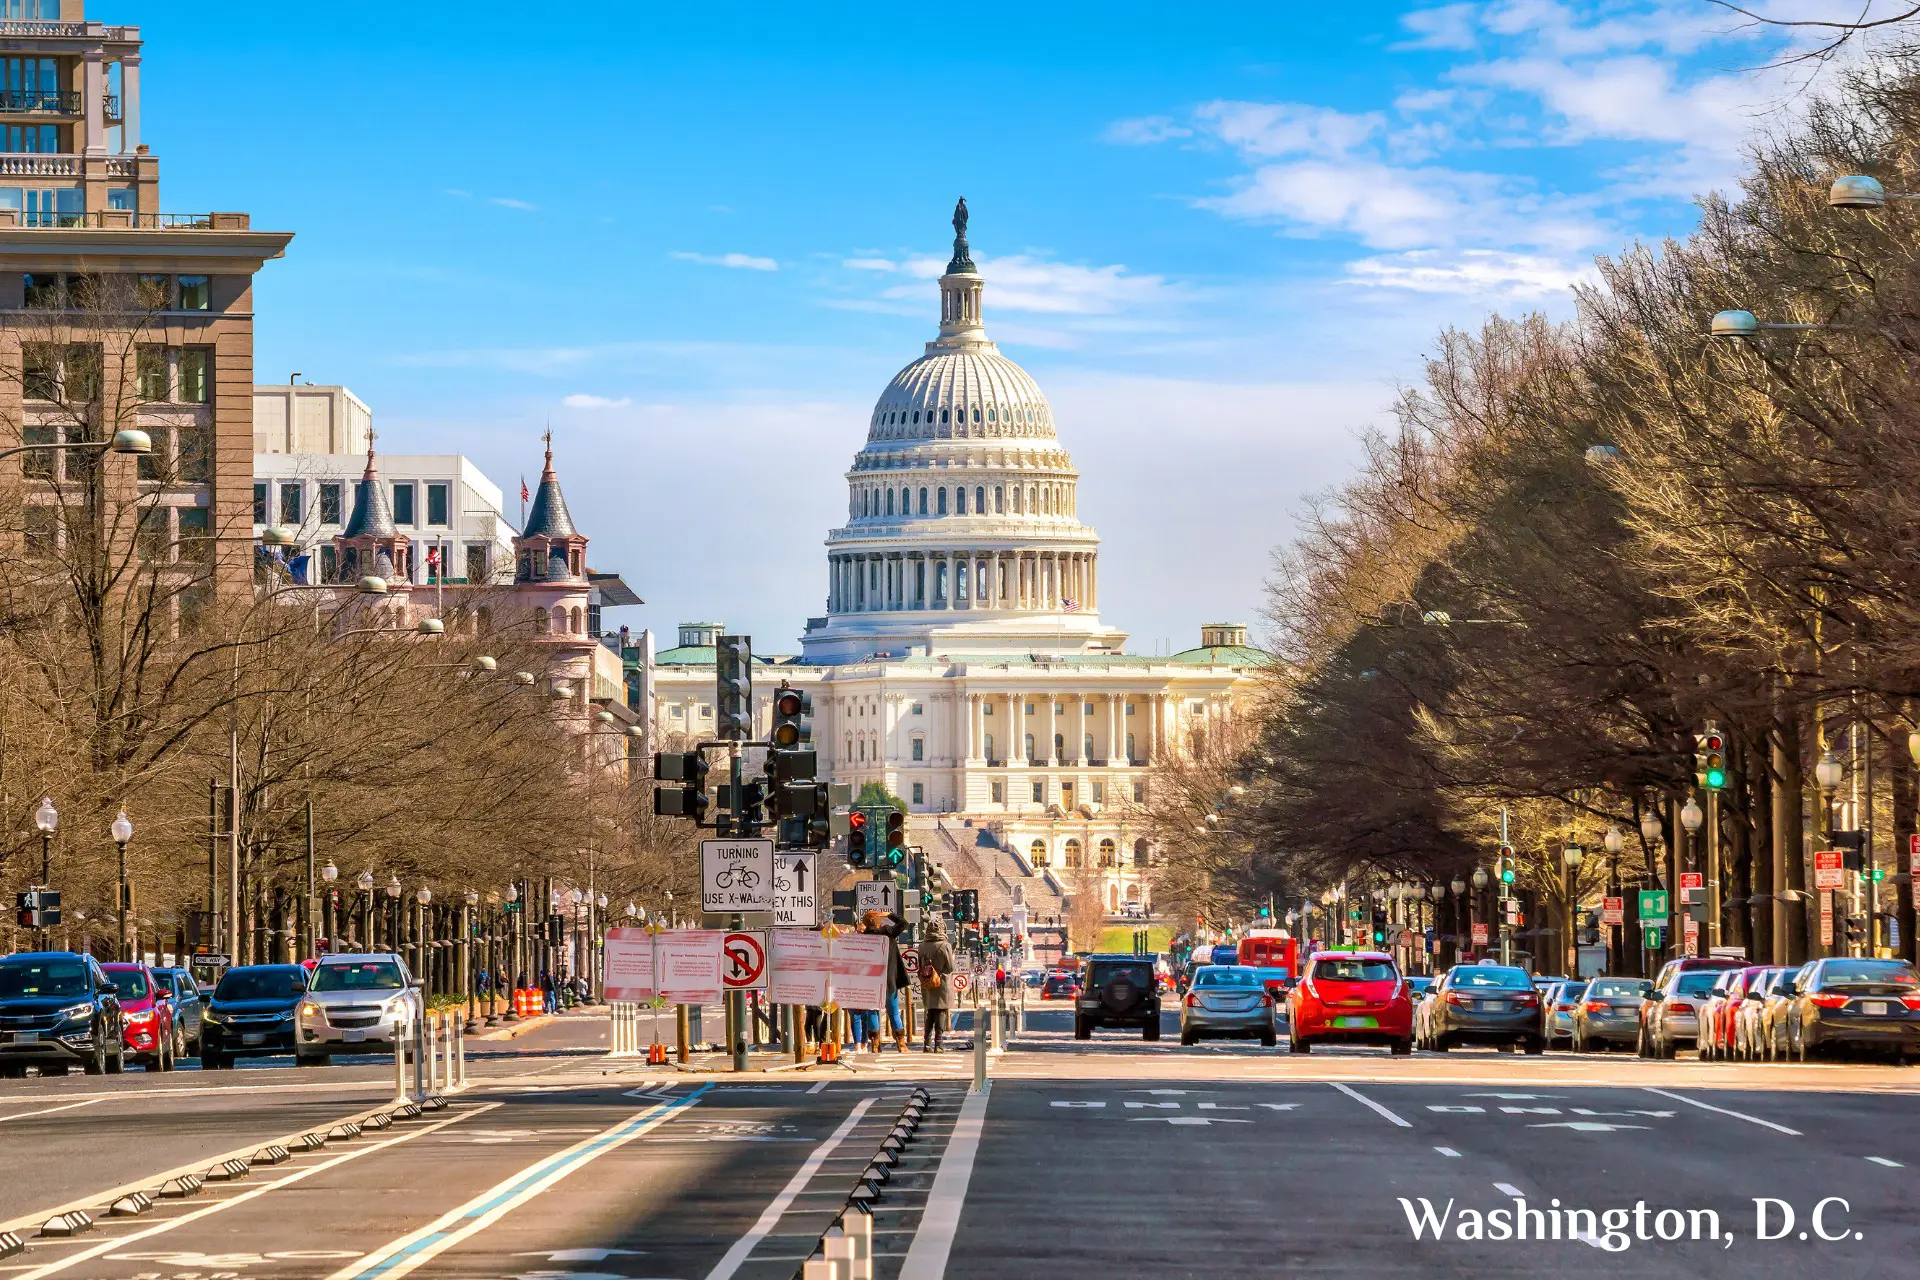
(962, 662)
(308, 419)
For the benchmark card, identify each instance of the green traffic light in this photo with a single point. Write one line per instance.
(1506, 875)
(1716, 778)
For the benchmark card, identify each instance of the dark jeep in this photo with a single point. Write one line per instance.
(1118, 991)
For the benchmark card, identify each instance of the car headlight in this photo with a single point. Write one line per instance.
(310, 1010)
(73, 1011)
(212, 1015)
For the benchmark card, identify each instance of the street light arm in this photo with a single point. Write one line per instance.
(133, 442)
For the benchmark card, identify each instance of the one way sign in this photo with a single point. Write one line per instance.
(795, 895)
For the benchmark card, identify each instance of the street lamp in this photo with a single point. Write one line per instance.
(1650, 827)
(1691, 815)
(329, 910)
(123, 442)
(1458, 886)
(46, 818)
(1615, 841)
(122, 831)
(1829, 773)
(1573, 856)
(1480, 877)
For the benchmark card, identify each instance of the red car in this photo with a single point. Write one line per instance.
(1716, 1041)
(1350, 997)
(148, 1007)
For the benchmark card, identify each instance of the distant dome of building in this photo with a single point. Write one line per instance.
(962, 392)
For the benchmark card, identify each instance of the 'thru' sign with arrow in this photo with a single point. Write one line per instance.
(795, 896)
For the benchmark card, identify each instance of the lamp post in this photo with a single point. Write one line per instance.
(1572, 855)
(366, 910)
(510, 971)
(470, 901)
(122, 831)
(329, 909)
(1828, 774)
(1691, 816)
(393, 915)
(46, 818)
(1616, 842)
(422, 941)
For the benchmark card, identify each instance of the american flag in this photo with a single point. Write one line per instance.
(1069, 604)
(524, 492)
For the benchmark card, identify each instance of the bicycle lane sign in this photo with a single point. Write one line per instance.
(736, 875)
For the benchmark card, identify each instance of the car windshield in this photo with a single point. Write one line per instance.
(28, 978)
(130, 983)
(1571, 991)
(1782, 980)
(359, 975)
(1226, 978)
(1353, 971)
(1617, 988)
(1489, 976)
(1696, 982)
(264, 983)
(1868, 973)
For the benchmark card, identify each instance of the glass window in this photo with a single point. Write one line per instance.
(889, 502)
(923, 502)
(152, 377)
(154, 293)
(194, 542)
(259, 502)
(196, 293)
(155, 535)
(1039, 792)
(130, 983)
(942, 504)
(999, 793)
(12, 198)
(120, 198)
(1139, 793)
(1222, 977)
(195, 454)
(38, 463)
(999, 499)
(1357, 971)
(292, 507)
(919, 793)
(80, 375)
(261, 982)
(919, 708)
(477, 562)
(58, 978)
(43, 290)
(39, 533)
(959, 501)
(153, 465)
(1494, 977)
(403, 503)
(1850, 973)
(1100, 794)
(919, 748)
(195, 365)
(438, 505)
(329, 562)
(358, 975)
(329, 502)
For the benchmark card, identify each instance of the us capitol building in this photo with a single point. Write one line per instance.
(962, 662)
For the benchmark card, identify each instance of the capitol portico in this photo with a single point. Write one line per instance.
(962, 662)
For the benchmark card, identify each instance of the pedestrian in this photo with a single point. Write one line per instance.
(887, 926)
(936, 974)
(549, 992)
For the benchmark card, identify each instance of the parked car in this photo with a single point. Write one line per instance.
(1486, 1004)
(1718, 1043)
(356, 1003)
(188, 1005)
(1609, 1013)
(1844, 1002)
(58, 1008)
(1558, 1006)
(251, 1013)
(1350, 997)
(1228, 1000)
(1708, 1015)
(1670, 1014)
(1119, 992)
(1060, 986)
(1775, 999)
(146, 1007)
(1745, 1035)
(1423, 1003)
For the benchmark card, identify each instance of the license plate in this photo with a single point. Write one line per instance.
(255, 1038)
(1874, 1008)
(354, 1037)
(1353, 1020)
(26, 1037)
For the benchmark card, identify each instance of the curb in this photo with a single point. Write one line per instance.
(518, 1029)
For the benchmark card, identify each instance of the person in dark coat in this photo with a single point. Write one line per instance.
(936, 984)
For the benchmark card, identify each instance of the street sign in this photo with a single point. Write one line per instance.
(736, 875)
(1826, 918)
(1690, 931)
(1479, 934)
(1613, 911)
(961, 982)
(1653, 906)
(876, 895)
(744, 960)
(1691, 882)
(910, 957)
(1829, 868)
(796, 899)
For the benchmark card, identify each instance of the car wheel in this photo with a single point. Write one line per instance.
(1299, 1044)
(1081, 1031)
(210, 1059)
(55, 1069)
(117, 1061)
(1439, 1043)
(1640, 1044)
(13, 1071)
(1189, 1038)
(1151, 1031)
(1537, 1045)
(96, 1065)
(1268, 1039)
(1401, 1048)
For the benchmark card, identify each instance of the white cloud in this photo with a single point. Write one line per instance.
(1028, 283)
(1145, 130)
(737, 261)
(1486, 273)
(1382, 206)
(1448, 27)
(1262, 129)
(508, 202)
(869, 264)
(583, 400)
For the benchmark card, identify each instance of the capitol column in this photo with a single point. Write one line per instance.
(1114, 745)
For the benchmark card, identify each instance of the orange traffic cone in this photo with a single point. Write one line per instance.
(656, 1054)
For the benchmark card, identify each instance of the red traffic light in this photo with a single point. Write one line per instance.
(1714, 742)
(856, 821)
(789, 703)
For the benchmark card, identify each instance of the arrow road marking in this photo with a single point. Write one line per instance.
(579, 1255)
(1514, 1097)
(1187, 1120)
(1586, 1126)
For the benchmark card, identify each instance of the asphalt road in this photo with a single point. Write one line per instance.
(1109, 1158)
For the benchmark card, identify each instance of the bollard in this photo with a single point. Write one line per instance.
(460, 1056)
(840, 1251)
(399, 1066)
(979, 1053)
(797, 1029)
(683, 1026)
(859, 1229)
(821, 1269)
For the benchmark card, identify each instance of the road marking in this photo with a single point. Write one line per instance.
(927, 1255)
(1448, 1152)
(47, 1111)
(1737, 1115)
(1357, 1096)
(54, 1268)
(818, 1087)
(402, 1256)
(771, 1215)
(1508, 1189)
(1891, 1164)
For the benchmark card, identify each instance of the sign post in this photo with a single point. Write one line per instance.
(876, 895)
(736, 875)
(796, 897)
(1829, 869)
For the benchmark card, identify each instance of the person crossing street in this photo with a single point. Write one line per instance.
(936, 984)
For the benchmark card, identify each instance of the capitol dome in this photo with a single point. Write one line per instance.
(963, 532)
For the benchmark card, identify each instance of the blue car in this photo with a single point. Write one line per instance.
(251, 1013)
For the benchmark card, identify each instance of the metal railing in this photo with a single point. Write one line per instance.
(120, 219)
(64, 102)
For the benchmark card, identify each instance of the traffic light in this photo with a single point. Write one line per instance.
(733, 673)
(792, 726)
(895, 850)
(1506, 864)
(1266, 913)
(1879, 874)
(37, 908)
(1379, 928)
(1852, 846)
(966, 906)
(688, 800)
(857, 838)
(927, 898)
(1856, 929)
(1710, 758)
(752, 810)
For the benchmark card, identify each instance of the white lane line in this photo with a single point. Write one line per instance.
(1357, 1096)
(403, 1256)
(818, 1088)
(47, 1111)
(54, 1268)
(927, 1255)
(1737, 1115)
(770, 1217)
(1508, 1189)
(1448, 1152)
(1891, 1164)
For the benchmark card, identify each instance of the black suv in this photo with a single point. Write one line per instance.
(58, 1008)
(1118, 991)
(251, 1013)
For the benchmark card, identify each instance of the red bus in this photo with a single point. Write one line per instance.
(1270, 949)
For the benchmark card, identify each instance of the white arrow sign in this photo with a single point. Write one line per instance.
(1187, 1120)
(795, 896)
(1585, 1126)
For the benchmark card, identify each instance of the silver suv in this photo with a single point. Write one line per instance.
(355, 1004)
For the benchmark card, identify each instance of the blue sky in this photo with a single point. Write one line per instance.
(700, 239)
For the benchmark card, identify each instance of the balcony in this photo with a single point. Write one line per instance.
(996, 764)
(122, 219)
(53, 102)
